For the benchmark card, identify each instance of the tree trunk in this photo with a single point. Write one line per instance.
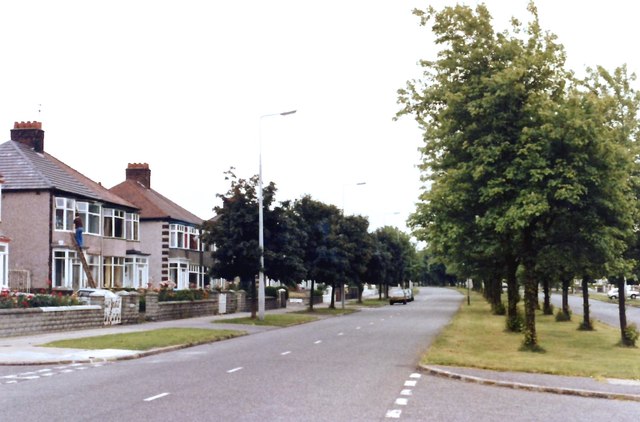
(254, 299)
(565, 298)
(546, 308)
(513, 297)
(530, 306)
(313, 287)
(622, 301)
(586, 321)
(360, 290)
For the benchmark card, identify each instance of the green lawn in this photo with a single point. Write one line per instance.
(146, 340)
(278, 320)
(476, 338)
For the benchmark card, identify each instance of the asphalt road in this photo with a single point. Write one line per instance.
(606, 312)
(348, 368)
(359, 367)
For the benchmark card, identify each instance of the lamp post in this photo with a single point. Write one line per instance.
(343, 188)
(261, 293)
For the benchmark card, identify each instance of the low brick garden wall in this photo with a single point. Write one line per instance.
(20, 322)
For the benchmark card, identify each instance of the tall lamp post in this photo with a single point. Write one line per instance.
(261, 294)
(343, 188)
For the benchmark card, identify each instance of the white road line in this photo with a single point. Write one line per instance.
(317, 342)
(156, 397)
(414, 375)
(395, 413)
(230, 371)
(402, 401)
(406, 392)
(12, 382)
(410, 383)
(285, 353)
(357, 328)
(66, 371)
(340, 334)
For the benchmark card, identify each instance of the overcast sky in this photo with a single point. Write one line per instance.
(181, 85)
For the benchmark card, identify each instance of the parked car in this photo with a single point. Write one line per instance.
(397, 295)
(613, 293)
(409, 294)
(83, 294)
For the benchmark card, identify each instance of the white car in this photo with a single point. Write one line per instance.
(631, 294)
(83, 294)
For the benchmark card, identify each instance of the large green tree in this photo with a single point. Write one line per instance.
(504, 168)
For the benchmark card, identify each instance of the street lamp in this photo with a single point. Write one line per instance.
(261, 293)
(343, 188)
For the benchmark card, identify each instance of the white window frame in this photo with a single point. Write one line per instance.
(179, 273)
(114, 216)
(182, 236)
(4, 265)
(132, 226)
(90, 214)
(62, 271)
(66, 207)
(112, 271)
(136, 272)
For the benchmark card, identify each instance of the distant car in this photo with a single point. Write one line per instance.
(397, 295)
(613, 293)
(409, 294)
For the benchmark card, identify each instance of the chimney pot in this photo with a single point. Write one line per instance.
(30, 134)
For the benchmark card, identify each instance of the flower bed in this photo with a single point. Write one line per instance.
(10, 300)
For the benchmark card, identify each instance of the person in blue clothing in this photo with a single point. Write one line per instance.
(77, 222)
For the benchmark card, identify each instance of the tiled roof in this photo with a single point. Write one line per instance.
(24, 169)
(153, 206)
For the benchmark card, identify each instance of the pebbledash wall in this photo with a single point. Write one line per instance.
(19, 322)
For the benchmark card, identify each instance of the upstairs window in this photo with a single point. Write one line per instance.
(65, 210)
(90, 214)
(184, 237)
(133, 226)
(113, 223)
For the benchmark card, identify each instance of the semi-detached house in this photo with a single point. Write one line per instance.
(40, 197)
(170, 233)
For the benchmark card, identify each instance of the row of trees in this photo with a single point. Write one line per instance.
(304, 240)
(532, 173)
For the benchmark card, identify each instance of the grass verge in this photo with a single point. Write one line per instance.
(370, 303)
(476, 338)
(328, 311)
(278, 320)
(146, 340)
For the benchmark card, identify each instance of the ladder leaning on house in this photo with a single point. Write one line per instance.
(85, 266)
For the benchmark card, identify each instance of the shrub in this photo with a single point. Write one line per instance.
(515, 323)
(166, 295)
(499, 309)
(561, 316)
(630, 335)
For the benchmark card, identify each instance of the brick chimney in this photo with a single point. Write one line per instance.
(30, 134)
(140, 173)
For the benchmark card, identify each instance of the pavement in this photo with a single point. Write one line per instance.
(27, 351)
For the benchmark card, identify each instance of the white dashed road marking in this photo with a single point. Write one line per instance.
(317, 342)
(403, 401)
(230, 371)
(394, 414)
(285, 353)
(156, 397)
